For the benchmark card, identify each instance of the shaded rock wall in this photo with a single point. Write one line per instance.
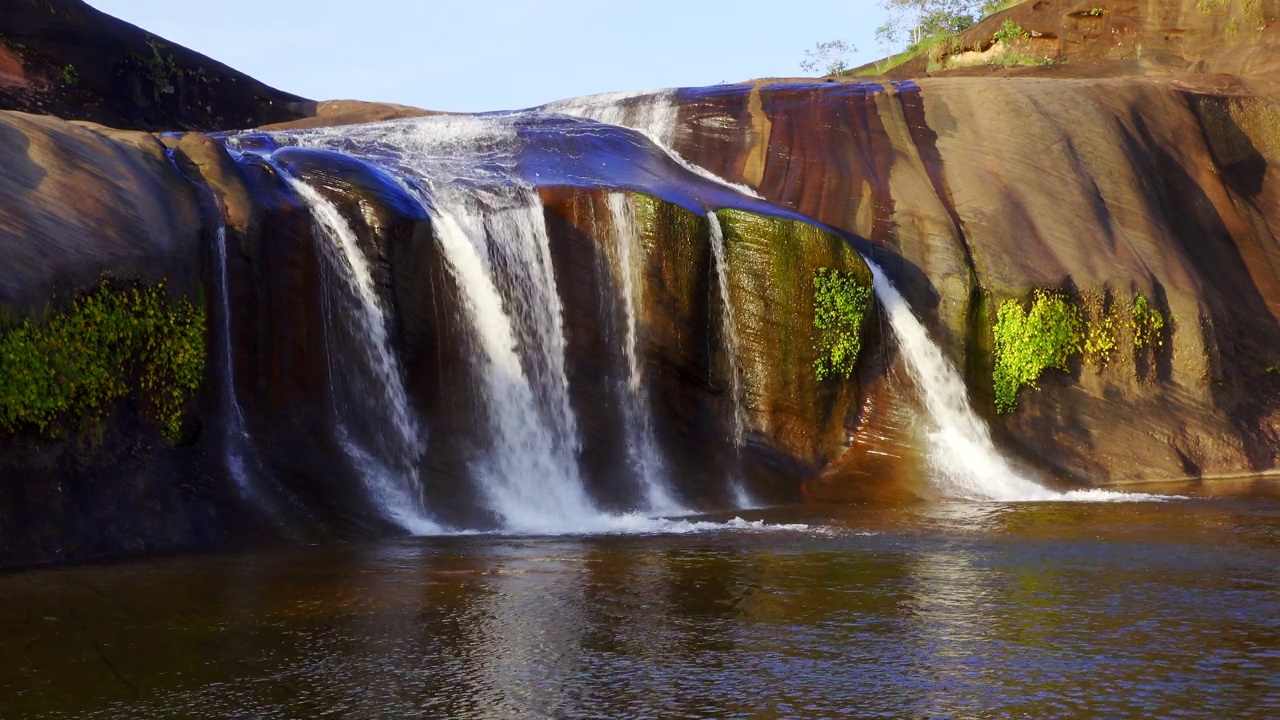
(78, 203)
(64, 58)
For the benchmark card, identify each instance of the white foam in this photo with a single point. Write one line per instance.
(637, 524)
(1114, 496)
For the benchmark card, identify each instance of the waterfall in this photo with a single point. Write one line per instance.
(642, 446)
(530, 476)
(729, 333)
(728, 328)
(493, 239)
(387, 457)
(650, 112)
(960, 448)
(236, 434)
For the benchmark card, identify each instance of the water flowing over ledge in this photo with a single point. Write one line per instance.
(477, 179)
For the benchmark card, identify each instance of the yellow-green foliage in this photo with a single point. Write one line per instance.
(1056, 327)
(839, 307)
(1009, 32)
(1029, 342)
(1147, 324)
(110, 342)
(1102, 338)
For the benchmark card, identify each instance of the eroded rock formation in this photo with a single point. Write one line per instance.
(1140, 162)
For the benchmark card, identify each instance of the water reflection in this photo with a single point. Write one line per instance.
(1056, 610)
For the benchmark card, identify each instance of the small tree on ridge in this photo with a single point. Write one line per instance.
(830, 57)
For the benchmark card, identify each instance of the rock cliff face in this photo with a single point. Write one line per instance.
(1132, 182)
(1078, 177)
(80, 203)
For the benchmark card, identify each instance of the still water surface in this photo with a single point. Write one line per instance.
(1081, 610)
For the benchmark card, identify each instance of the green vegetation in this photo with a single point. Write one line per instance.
(160, 67)
(1009, 32)
(1103, 336)
(69, 75)
(112, 341)
(1253, 10)
(1008, 59)
(829, 57)
(1097, 12)
(1056, 327)
(1028, 343)
(932, 28)
(839, 307)
(1146, 323)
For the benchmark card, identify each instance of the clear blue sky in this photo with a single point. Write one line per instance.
(473, 55)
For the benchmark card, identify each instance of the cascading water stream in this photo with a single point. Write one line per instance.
(728, 328)
(965, 460)
(390, 470)
(237, 435)
(642, 446)
(729, 332)
(493, 238)
(530, 476)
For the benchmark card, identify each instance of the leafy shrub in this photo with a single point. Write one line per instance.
(1009, 32)
(70, 75)
(109, 341)
(839, 306)
(160, 67)
(1028, 343)
(1147, 324)
(1102, 338)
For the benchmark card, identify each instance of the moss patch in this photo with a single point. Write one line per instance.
(839, 307)
(112, 342)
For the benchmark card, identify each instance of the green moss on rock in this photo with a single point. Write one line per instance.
(789, 279)
(839, 306)
(112, 342)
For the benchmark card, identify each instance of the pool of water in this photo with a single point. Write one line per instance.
(1133, 609)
